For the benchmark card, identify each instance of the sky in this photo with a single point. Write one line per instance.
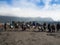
(31, 8)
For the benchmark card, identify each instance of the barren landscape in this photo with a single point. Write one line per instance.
(29, 38)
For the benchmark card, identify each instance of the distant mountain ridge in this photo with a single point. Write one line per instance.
(12, 18)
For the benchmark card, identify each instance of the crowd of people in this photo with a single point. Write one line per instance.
(49, 27)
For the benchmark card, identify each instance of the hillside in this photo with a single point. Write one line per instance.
(38, 19)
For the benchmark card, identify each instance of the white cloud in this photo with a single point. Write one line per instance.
(29, 12)
(22, 8)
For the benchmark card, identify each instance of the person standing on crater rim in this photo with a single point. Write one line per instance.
(5, 26)
(44, 27)
(49, 28)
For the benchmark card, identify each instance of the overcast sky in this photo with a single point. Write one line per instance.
(31, 8)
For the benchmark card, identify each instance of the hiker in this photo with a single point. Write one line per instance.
(5, 26)
(58, 26)
(44, 27)
(23, 27)
(49, 28)
(52, 28)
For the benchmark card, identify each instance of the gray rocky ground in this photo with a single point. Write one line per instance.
(29, 38)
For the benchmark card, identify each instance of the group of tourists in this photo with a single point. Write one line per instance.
(49, 27)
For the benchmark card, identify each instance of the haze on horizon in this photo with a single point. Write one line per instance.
(31, 8)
